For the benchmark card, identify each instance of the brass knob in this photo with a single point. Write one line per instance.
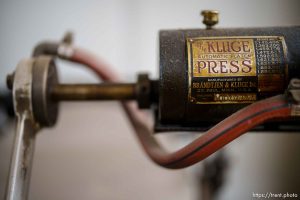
(210, 18)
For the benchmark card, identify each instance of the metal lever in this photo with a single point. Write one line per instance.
(31, 79)
(26, 129)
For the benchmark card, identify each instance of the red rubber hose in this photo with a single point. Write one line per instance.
(214, 139)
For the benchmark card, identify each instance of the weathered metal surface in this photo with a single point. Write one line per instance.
(23, 148)
(31, 85)
(174, 110)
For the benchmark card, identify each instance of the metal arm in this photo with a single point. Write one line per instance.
(26, 129)
(30, 86)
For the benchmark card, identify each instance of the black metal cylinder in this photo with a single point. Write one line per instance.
(206, 75)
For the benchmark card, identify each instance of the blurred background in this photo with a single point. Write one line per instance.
(92, 153)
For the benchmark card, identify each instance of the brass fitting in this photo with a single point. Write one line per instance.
(210, 18)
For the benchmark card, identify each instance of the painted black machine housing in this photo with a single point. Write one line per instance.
(176, 112)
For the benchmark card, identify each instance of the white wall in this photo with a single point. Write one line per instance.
(91, 153)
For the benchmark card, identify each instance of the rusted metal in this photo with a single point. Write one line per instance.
(103, 91)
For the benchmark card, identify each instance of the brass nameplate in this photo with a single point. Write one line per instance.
(235, 69)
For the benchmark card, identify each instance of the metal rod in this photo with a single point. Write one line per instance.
(103, 91)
